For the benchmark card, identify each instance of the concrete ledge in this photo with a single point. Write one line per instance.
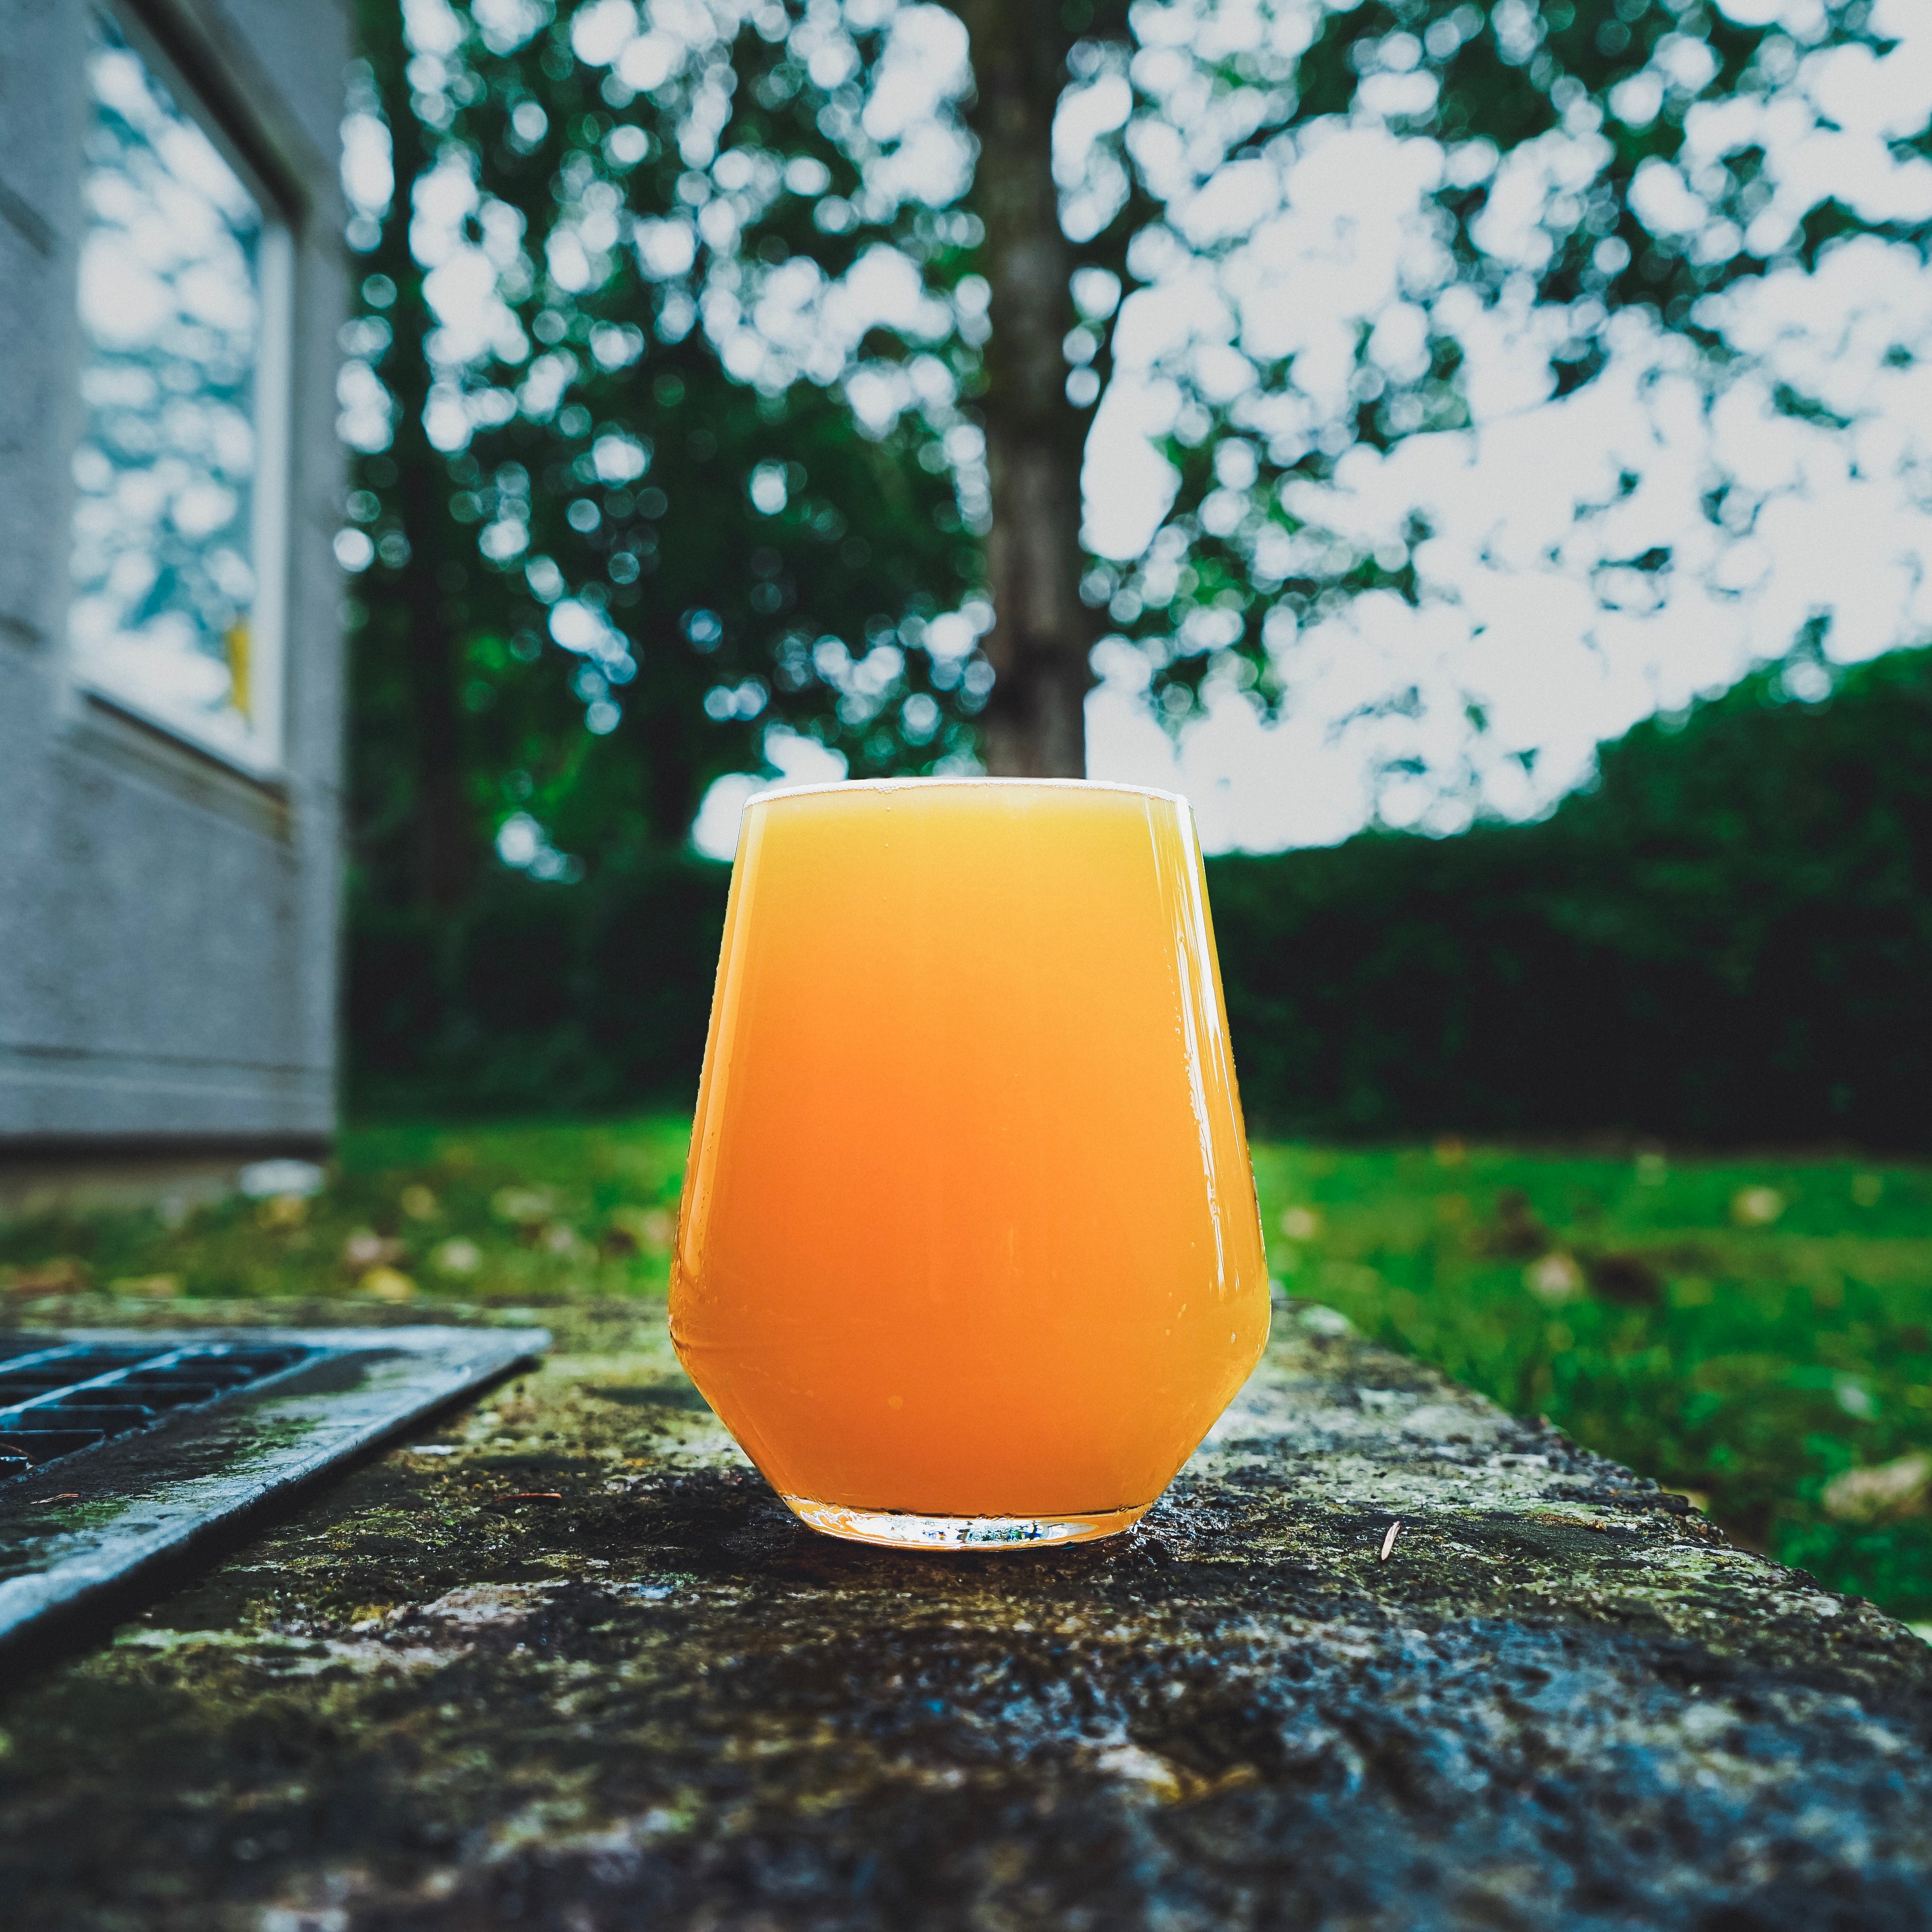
(565, 1662)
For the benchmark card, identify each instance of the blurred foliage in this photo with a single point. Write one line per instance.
(1750, 1332)
(602, 566)
(1726, 939)
(1557, 124)
(612, 541)
(642, 546)
(529, 999)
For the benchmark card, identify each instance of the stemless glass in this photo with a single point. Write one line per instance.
(969, 1254)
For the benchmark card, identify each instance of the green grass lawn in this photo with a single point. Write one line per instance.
(1757, 1333)
(1750, 1333)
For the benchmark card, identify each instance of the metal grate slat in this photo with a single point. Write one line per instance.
(250, 1415)
(55, 1401)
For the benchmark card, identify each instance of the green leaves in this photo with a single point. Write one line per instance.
(1723, 940)
(1590, 159)
(569, 280)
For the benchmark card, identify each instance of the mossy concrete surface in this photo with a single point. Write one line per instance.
(563, 1660)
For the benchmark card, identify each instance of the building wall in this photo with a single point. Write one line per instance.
(168, 925)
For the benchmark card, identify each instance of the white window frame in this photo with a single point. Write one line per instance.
(263, 755)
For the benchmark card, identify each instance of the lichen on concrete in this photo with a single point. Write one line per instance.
(563, 1660)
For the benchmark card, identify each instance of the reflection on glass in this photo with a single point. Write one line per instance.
(164, 558)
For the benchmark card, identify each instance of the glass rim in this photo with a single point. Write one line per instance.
(911, 784)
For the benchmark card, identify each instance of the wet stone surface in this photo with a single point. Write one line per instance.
(563, 1661)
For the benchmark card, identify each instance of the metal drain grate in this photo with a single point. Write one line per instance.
(75, 1394)
(118, 1449)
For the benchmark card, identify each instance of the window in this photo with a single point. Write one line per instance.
(180, 506)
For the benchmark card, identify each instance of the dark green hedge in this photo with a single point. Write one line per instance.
(540, 998)
(1729, 938)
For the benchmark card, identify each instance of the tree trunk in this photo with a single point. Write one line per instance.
(1035, 721)
(445, 836)
(445, 833)
(672, 790)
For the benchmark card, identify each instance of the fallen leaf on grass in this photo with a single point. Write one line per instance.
(386, 1284)
(456, 1256)
(62, 1275)
(1515, 1234)
(649, 1231)
(1882, 1493)
(149, 1287)
(1555, 1279)
(366, 1248)
(1626, 1278)
(523, 1207)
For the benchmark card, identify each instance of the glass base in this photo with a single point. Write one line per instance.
(895, 1529)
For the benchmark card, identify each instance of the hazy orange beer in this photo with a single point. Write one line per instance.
(969, 1253)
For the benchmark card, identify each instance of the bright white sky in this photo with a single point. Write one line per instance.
(1519, 617)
